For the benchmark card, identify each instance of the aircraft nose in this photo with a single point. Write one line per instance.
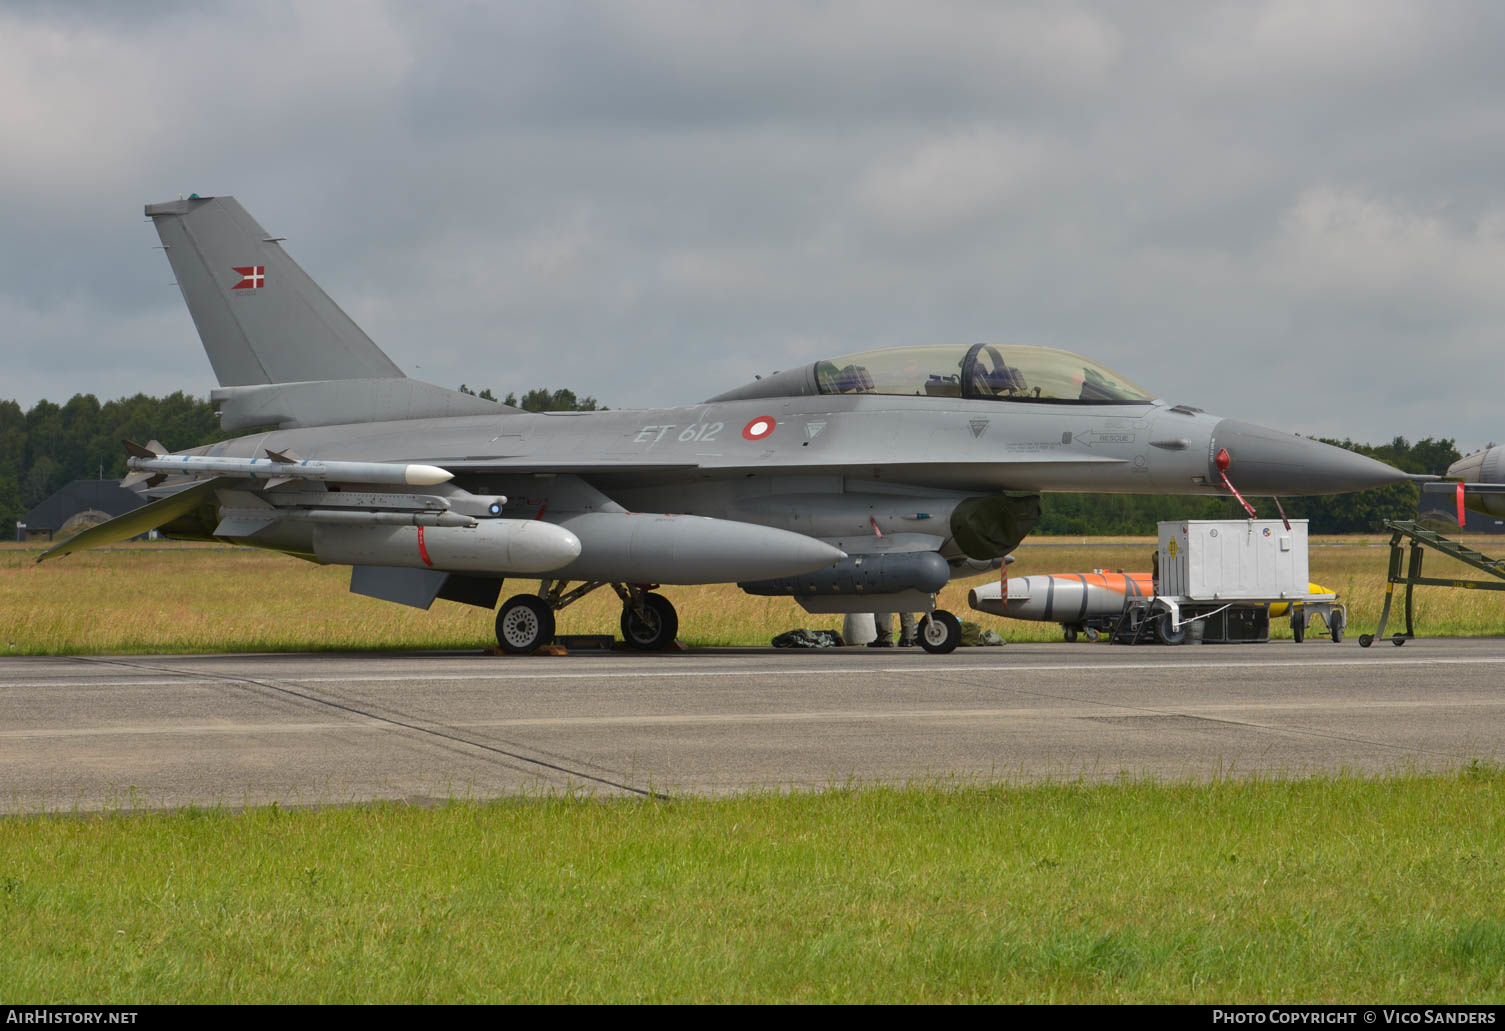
(1266, 461)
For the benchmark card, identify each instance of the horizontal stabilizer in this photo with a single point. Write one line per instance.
(1468, 488)
(133, 524)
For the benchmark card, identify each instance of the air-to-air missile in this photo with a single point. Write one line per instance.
(857, 483)
(397, 474)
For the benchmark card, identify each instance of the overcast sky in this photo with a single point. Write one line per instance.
(1292, 213)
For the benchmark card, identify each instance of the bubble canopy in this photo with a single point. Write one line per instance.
(1001, 372)
(987, 372)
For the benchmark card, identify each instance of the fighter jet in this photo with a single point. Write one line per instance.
(1481, 483)
(854, 484)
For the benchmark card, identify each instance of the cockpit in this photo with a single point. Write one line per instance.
(1001, 372)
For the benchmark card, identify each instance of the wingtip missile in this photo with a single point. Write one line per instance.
(426, 475)
(307, 469)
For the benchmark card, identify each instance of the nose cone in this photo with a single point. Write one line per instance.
(1266, 461)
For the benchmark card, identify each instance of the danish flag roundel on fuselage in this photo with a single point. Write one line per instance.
(759, 428)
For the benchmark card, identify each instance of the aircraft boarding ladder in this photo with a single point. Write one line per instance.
(1420, 540)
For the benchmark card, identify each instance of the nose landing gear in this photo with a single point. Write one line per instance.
(940, 632)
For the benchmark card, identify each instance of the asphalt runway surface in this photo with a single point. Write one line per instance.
(83, 734)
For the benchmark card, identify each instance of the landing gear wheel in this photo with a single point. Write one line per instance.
(1397, 640)
(655, 630)
(1298, 628)
(1070, 633)
(1092, 635)
(940, 632)
(1336, 628)
(1164, 632)
(524, 624)
(1365, 640)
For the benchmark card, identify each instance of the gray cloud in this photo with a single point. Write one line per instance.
(1281, 211)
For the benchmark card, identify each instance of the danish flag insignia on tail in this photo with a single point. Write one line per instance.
(251, 277)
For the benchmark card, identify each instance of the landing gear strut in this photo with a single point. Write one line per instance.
(526, 622)
(649, 622)
(940, 632)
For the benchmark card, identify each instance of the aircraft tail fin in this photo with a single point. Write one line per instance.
(260, 317)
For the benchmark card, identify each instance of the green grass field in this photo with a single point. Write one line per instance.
(175, 598)
(1320, 890)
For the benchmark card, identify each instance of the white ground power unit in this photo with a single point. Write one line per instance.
(1234, 560)
(1209, 566)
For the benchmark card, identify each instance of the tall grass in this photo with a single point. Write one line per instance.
(153, 598)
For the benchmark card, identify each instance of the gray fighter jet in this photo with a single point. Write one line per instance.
(859, 483)
(1481, 483)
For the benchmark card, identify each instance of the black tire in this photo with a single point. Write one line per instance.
(940, 632)
(1335, 628)
(524, 624)
(1365, 640)
(1397, 640)
(1165, 635)
(1070, 633)
(1298, 628)
(655, 630)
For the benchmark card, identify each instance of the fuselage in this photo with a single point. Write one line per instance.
(865, 472)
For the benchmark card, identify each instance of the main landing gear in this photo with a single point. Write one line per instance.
(525, 622)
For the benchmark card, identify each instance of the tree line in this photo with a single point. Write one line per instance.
(48, 446)
(45, 447)
(542, 399)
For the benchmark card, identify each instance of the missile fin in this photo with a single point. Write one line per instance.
(150, 479)
(152, 450)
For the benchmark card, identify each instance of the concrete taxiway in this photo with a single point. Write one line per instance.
(149, 732)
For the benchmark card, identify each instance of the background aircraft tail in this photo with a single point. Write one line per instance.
(260, 316)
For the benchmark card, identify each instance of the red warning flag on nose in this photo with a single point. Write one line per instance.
(251, 277)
